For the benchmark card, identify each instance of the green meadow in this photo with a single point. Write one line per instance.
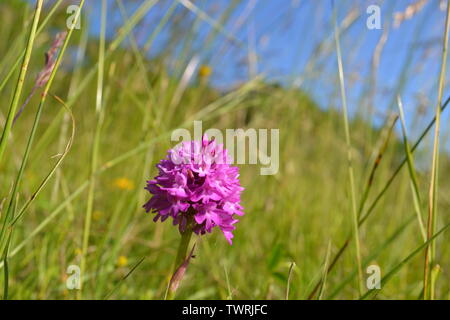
(348, 195)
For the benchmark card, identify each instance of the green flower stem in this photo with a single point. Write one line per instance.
(179, 260)
(182, 248)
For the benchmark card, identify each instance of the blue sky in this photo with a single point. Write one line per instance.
(284, 33)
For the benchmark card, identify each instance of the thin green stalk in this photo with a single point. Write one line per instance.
(21, 80)
(349, 153)
(288, 282)
(376, 164)
(214, 24)
(124, 278)
(123, 32)
(430, 253)
(95, 146)
(179, 260)
(230, 292)
(325, 273)
(6, 269)
(182, 249)
(160, 26)
(5, 257)
(412, 173)
(434, 275)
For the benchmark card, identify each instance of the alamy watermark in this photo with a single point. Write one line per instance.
(374, 280)
(74, 19)
(73, 281)
(250, 146)
(374, 19)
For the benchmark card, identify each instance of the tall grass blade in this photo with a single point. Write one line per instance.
(349, 151)
(412, 172)
(325, 273)
(99, 112)
(430, 253)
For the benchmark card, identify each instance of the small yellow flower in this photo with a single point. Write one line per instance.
(204, 71)
(123, 184)
(78, 252)
(122, 261)
(97, 215)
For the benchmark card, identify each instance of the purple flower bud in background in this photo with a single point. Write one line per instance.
(197, 187)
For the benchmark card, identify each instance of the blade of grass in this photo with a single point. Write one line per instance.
(434, 276)
(124, 278)
(227, 280)
(412, 172)
(6, 269)
(376, 165)
(100, 114)
(147, 46)
(138, 15)
(198, 12)
(430, 253)
(349, 150)
(325, 273)
(5, 258)
(288, 285)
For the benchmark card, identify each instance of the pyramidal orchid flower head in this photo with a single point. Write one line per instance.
(197, 187)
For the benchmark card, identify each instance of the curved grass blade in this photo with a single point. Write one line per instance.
(288, 286)
(54, 168)
(124, 278)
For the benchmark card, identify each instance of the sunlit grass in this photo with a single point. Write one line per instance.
(348, 194)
